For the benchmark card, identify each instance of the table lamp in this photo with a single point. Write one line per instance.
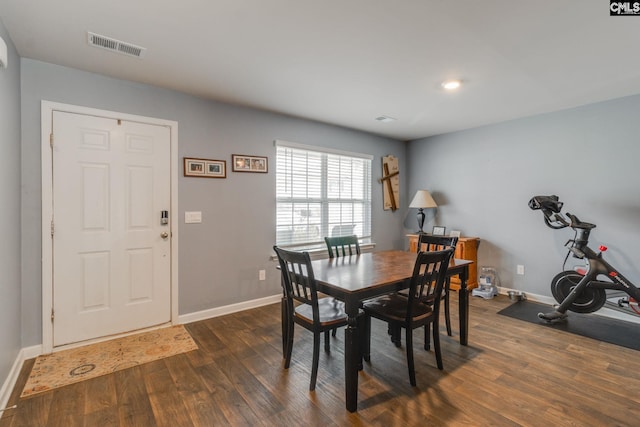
(422, 200)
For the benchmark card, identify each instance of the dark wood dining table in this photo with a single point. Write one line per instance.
(355, 278)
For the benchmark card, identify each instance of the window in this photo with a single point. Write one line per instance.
(321, 193)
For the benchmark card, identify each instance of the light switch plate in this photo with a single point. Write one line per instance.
(193, 217)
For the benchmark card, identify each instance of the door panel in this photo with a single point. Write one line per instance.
(111, 267)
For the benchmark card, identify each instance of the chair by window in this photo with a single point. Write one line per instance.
(413, 311)
(342, 246)
(347, 244)
(315, 314)
(342, 230)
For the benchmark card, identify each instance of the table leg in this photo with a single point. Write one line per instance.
(463, 306)
(352, 357)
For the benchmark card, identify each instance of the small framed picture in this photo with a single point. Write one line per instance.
(454, 233)
(243, 163)
(205, 168)
(438, 230)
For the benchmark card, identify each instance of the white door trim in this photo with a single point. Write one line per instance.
(47, 109)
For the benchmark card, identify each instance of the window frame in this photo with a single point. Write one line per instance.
(324, 200)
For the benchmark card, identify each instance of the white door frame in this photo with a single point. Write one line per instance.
(47, 109)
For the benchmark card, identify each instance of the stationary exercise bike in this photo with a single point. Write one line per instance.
(582, 290)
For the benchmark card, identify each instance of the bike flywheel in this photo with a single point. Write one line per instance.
(588, 301)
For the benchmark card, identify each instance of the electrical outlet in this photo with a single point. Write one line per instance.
(262, 275)
(520, 270)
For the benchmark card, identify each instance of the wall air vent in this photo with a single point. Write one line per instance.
(114, 45)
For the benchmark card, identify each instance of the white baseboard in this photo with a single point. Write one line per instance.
(10, 381)
(31, 352)
(228, 309)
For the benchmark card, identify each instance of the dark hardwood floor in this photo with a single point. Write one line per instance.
(512, 373)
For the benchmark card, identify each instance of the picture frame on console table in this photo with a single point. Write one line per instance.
(438, 230)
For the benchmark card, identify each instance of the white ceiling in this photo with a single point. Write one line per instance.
(347, 62)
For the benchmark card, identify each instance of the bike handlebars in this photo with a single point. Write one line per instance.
(551, 207)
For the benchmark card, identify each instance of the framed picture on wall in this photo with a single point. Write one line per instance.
(205, 168)
(438, 230)
(243, 163)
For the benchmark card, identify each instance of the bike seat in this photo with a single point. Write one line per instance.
(576, 223)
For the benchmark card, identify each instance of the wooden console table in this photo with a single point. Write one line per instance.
(467, 248)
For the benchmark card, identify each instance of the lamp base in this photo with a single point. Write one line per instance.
(420, 220)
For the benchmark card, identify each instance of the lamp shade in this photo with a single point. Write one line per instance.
(423, 199)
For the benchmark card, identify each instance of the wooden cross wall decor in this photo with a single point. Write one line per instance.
(390, 183)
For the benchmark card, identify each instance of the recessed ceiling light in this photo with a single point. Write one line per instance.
(385, 119)
(451, 84)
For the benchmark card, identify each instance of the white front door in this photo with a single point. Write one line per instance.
(111, 252)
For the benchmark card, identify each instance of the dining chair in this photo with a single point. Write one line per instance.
(342, 246)
(413, 311)
(318, 315)
(430, 243)
(342, 230)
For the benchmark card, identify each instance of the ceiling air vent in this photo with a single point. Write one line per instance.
(115, 45)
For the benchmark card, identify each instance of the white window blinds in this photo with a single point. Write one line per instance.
(321, 193)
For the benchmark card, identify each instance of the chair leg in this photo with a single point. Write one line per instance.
(316, 358)
(396, 334)
(427, 341)
(287, 357)
(410, 364)
(447, 317)
(436, 345)
(333, 333)
(327, 344)
(284, 313)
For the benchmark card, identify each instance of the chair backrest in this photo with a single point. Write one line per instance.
(298, 280)
(342, 230)
(342, 246)
(428, 279)
(430, 243)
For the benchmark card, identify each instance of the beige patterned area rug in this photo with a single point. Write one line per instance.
(78, 364)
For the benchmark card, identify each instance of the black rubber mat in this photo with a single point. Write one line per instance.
(613, 331)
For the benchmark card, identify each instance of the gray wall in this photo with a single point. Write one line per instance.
(483, 179)
(10, 340)
(220, 258)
